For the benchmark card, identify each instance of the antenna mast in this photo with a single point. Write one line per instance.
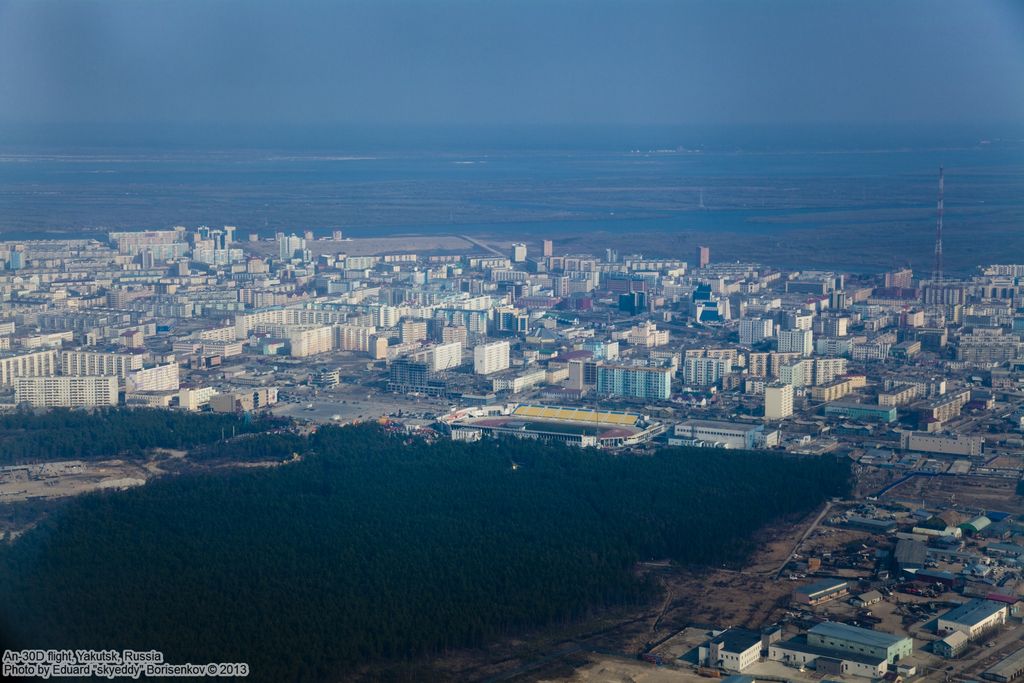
(937, 271)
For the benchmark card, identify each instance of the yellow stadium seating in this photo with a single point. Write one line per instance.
(577, 415)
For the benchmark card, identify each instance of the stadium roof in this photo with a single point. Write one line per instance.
(606, 417)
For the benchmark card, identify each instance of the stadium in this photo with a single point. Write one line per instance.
(584, 427)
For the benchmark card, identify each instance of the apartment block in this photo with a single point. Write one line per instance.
(66, 392)
(489, 358)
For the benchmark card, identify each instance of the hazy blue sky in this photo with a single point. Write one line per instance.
(500, 62)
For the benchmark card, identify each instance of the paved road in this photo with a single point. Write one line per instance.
(1007, 641)
(485, 247)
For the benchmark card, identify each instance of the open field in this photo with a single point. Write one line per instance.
(986, 493)
(62, 479)
(613, 669)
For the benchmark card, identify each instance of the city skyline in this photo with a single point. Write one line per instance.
(565, 341)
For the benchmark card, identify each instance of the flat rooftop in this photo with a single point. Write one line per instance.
(723, 425)
(822, 586)
(737, 639)
(516, 423)
(911, 552)
(833, 629)
(800, 644)
(973, 612)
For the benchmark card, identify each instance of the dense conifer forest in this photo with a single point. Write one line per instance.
(61, 434)
(378, 547)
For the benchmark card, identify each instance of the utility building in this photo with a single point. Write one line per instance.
(821, 592)
(973, 618)
(846, 638)
(734, 650)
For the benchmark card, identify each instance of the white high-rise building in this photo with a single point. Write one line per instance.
(66, 392)
(446, 356)
(388, 316)
(194, 399)
(412, 331)
(705, 372)
(796, 341)
(33, 364)
(288, 245)
(753, 330)
(354, 337)
(800, 320)
(97, 364)
(778, 401)
(440, 357)
(159, 378)
(310, 341)
(493, 357)
(797, 373)
(518, 252)
(827, 369)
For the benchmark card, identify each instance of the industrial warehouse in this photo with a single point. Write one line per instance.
(821, 592)
(581, 427)
(1009, 669)
(973, 618)
(833, 648)
(830, 648)
(723, 434)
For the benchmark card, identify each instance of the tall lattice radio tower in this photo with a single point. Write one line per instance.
(937, 269)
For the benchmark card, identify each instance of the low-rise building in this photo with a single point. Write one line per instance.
(867, 599)
(243, 401)
(845, 638)
(898, 395)
(973, 618)
(798, 653)
(910, 555)
(839, 649)
(733, 650)
(951, 645)
(960, 444)
(861, 411)
(820, 592)
(194, 399)
(832, 391)
(516, 383)
(1008, 669)
(725, 434)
